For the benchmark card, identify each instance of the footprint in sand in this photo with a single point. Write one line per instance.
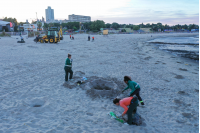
(182, 93)
(179, 77)
(187, 115)
(90, 114)
(182, 69)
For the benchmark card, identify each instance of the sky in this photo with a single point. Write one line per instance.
(169, 12)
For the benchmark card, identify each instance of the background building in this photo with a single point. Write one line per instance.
(49, 14)
(29, 27)
(5, 25)
(79, 18)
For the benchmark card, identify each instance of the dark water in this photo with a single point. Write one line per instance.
(181, 46)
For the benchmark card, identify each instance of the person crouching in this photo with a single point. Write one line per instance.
(132, 102)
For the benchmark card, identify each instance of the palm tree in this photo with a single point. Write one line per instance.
(51, 25)
(39, 24)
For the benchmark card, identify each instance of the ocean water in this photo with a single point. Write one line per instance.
(181, 46)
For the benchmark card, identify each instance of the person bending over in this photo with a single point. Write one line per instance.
(132, 102)
(134, 87)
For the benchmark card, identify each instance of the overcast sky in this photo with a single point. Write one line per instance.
(169, 12)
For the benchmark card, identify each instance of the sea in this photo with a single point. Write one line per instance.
(187, 47)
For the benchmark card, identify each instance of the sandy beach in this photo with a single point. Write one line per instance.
(35, 99)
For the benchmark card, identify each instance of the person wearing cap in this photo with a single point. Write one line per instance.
(134, 87)
(68, 68)
(130, 106)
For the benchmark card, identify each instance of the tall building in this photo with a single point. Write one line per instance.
(42, 19)
(79, 18)
(49, 14)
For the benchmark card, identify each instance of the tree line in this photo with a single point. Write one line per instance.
(97, 24)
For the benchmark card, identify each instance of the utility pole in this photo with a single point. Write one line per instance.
(36, 16)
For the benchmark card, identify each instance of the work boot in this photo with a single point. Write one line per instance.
(142, 103)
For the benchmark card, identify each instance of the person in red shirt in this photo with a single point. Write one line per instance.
(132, 102)
(70, 36)
(92, 38)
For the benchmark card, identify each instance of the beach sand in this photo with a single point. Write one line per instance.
(34, 99)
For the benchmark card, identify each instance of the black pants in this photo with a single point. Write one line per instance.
(68, 70)
(137, 93)
(132, 108)
(88, 38)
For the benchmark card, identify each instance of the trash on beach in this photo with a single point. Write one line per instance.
(186, 64)
(84, 78)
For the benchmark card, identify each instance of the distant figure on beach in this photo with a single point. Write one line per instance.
(68, 68)
(88, 37)
(22, 39)
(92, 38)
(70, 36)
(37, 38)
(132, 102)
(134, 87)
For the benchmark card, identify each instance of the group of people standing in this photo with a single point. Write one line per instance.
(71, 37)
(129, 103)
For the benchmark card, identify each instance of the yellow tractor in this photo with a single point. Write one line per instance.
(53, 36)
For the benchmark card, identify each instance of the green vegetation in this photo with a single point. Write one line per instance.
(123, 30)
(3, 34)
(39, 24)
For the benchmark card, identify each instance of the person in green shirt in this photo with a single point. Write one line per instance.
(68, 68)
(134, 87)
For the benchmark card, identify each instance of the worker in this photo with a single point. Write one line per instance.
(37, 38)
(88, 37)
(134, 87)
(132, 102)
(22, 39)
(70, 36)
(68, 68)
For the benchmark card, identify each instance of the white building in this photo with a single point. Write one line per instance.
(54, 21)
(29, 27)
(79, 18)
(49, 14)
